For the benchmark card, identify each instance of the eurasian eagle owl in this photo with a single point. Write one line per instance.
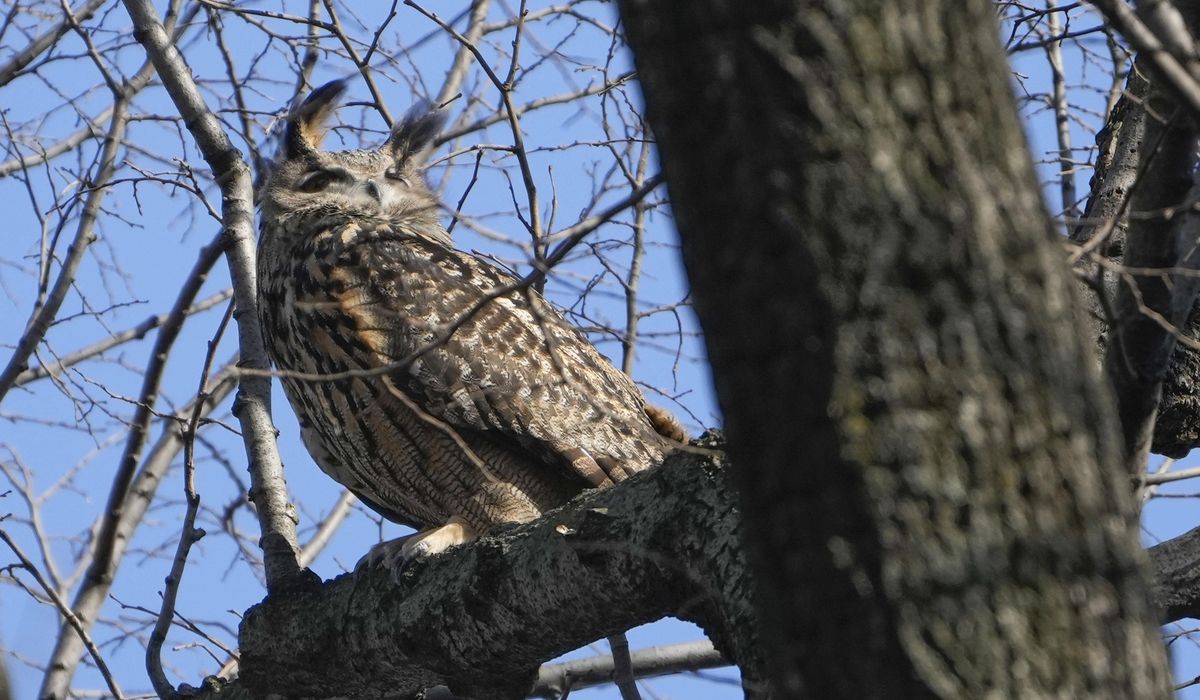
(438, 389)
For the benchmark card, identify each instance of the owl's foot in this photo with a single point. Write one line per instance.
(396, 554)
(665, 424)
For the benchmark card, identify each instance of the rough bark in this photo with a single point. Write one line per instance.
(934, 500)
(705, 500)
(1126, 170)
(1149, 309)
(482, 618)
(1177, 576)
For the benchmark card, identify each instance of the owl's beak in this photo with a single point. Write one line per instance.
(374, 190)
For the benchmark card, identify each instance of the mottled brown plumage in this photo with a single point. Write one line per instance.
(470, 402)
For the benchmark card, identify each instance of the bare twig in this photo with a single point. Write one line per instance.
(105, 557)
(505, 87)
(13, 66)
(1058, 101)
(191, 534)
(135, 333)
(462, 57)
(361, 64)
(329, 525)
(75, 623)
(85, 235)
(556, 679)
(1169, 476)
(1179, 71)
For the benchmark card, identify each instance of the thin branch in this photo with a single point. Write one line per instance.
(1168, 477)
(329, 525)
(505, 87)
(462, 58)
(106, 552)
(630, 284)
(85, 235)
(564, 98)
(13, 66)
(76, 624)
(191, 534)
(361, 64)
(1180, 75)
(253, 408)
(137, 332)
(556, 679)
(1058, 101)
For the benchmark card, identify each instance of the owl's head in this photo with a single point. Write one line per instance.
(385, 183)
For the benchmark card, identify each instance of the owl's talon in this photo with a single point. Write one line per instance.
(395, 555)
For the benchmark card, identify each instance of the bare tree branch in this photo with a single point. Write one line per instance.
(556, 680)
(191, 534)
(671, 533)
(253, 406)
(13, 66)
(85, 235)
(1180, 71)
(135, 333)
(77, 626)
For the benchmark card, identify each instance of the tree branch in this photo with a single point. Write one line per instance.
(85, 235)
(482, 618)
(268, 488)
(1179, 70)
(555, 680)
(1162, 234)
(13, 66)
(516, 580)
(1177, 576)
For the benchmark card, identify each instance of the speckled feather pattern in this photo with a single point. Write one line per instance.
(510, 414)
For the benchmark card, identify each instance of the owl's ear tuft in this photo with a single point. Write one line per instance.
(415, 132)
(306, 125)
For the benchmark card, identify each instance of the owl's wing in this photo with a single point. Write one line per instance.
(475, 354)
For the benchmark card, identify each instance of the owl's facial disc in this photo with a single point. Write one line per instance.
(366, 192)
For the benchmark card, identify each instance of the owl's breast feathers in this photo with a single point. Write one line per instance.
(451, 355)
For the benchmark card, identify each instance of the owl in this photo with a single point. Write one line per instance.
(441, 391)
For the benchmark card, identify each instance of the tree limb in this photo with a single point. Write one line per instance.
(313, 641)
(554, 680)
(13, 66)
(482, 618)
(268, 488)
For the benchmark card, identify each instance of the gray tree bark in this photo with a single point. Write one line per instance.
(1143, 166)
(482, 618)
(311, 641)
(928, 462)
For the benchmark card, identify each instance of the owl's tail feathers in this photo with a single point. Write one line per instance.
(666, 424)
(599, 473)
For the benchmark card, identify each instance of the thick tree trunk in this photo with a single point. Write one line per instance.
(930, 469)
